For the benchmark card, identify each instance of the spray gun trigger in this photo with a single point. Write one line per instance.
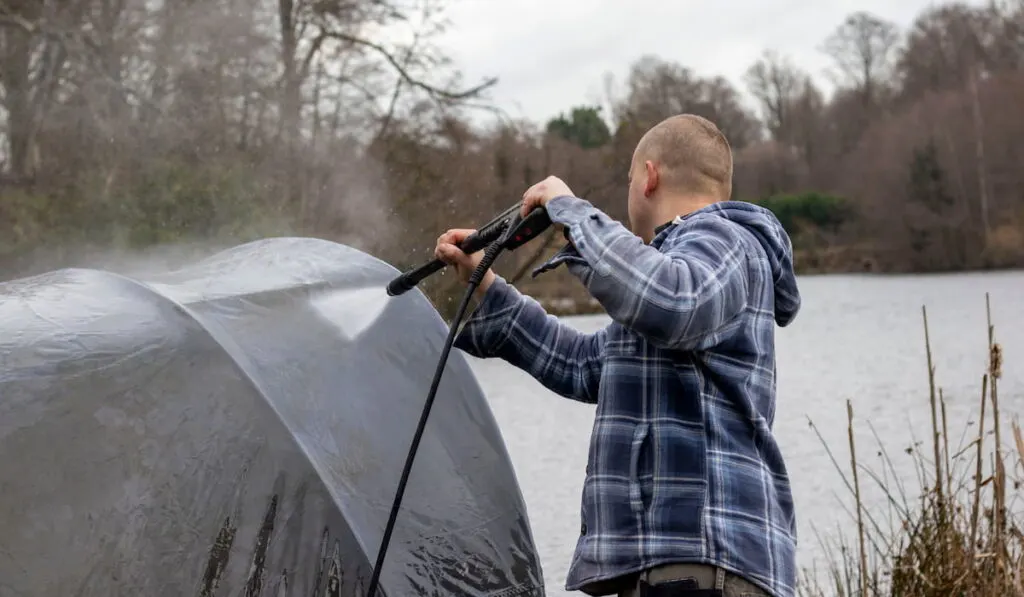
(526, 229)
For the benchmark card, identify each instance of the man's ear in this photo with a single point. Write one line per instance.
(652, 179)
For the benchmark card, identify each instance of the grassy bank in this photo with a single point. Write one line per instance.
(958, 536)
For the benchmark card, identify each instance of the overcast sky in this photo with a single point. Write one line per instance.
(552, 54)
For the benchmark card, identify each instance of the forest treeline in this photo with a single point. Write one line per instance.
(129, 123)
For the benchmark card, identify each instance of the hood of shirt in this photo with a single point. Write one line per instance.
(778, 247)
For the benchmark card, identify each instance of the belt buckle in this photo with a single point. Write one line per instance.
(683, 586)
(686, 587)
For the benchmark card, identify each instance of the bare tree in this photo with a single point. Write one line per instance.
(777, 84)
(863, 48)
(944, 46)
(657, 89)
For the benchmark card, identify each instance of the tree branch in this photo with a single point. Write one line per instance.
(397, 65)
(307, 60)
(9, 17)
(390, 114)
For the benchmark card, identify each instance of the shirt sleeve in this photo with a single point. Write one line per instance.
(514, 327)
(688, 295)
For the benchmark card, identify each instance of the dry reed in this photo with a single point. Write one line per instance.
(957, 537)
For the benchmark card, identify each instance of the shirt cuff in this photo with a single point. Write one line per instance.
(498, 295)
(486, 329)
(568, 211)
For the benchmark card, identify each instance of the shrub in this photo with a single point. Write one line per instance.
(798, 212)
(958, 538)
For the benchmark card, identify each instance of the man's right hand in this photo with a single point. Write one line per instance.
(447, 250)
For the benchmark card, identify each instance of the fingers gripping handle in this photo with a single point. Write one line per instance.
(471, 244)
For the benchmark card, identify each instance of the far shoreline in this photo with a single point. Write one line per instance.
(570, 307)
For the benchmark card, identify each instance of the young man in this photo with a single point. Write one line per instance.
(685, 481)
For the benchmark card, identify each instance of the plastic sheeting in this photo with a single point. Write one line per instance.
(238, 428)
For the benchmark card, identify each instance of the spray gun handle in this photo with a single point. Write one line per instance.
(522, 230)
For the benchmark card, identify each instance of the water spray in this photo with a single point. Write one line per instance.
(508, 231)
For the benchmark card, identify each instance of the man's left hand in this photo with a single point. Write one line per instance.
(539, 194)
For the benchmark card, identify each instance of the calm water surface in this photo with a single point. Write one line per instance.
(856, 338)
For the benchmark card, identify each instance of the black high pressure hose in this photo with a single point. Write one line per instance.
(490, 255)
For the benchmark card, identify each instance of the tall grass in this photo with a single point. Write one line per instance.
(957, 536)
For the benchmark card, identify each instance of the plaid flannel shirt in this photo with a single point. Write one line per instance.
(682, 465)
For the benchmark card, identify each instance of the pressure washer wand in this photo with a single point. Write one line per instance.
(484, 236)
(515, 232)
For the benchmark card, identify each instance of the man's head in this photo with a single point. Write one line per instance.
(680, 165)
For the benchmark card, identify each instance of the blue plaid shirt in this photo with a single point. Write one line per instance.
(683, 466)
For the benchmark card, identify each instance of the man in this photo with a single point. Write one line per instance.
(685, 481)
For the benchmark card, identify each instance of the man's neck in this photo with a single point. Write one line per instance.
(681, 205)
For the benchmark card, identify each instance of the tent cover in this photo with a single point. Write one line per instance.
(238, 427)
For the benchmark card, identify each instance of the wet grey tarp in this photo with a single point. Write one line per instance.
(238, 428)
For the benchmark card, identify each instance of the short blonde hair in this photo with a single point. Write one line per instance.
(692, 154)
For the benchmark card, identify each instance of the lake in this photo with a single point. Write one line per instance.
(857, 337)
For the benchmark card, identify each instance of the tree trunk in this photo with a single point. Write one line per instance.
(14, 74)
(291, 105)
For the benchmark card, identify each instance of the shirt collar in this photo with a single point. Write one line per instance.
(657, 231)
(673, 221)
(663, 227)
